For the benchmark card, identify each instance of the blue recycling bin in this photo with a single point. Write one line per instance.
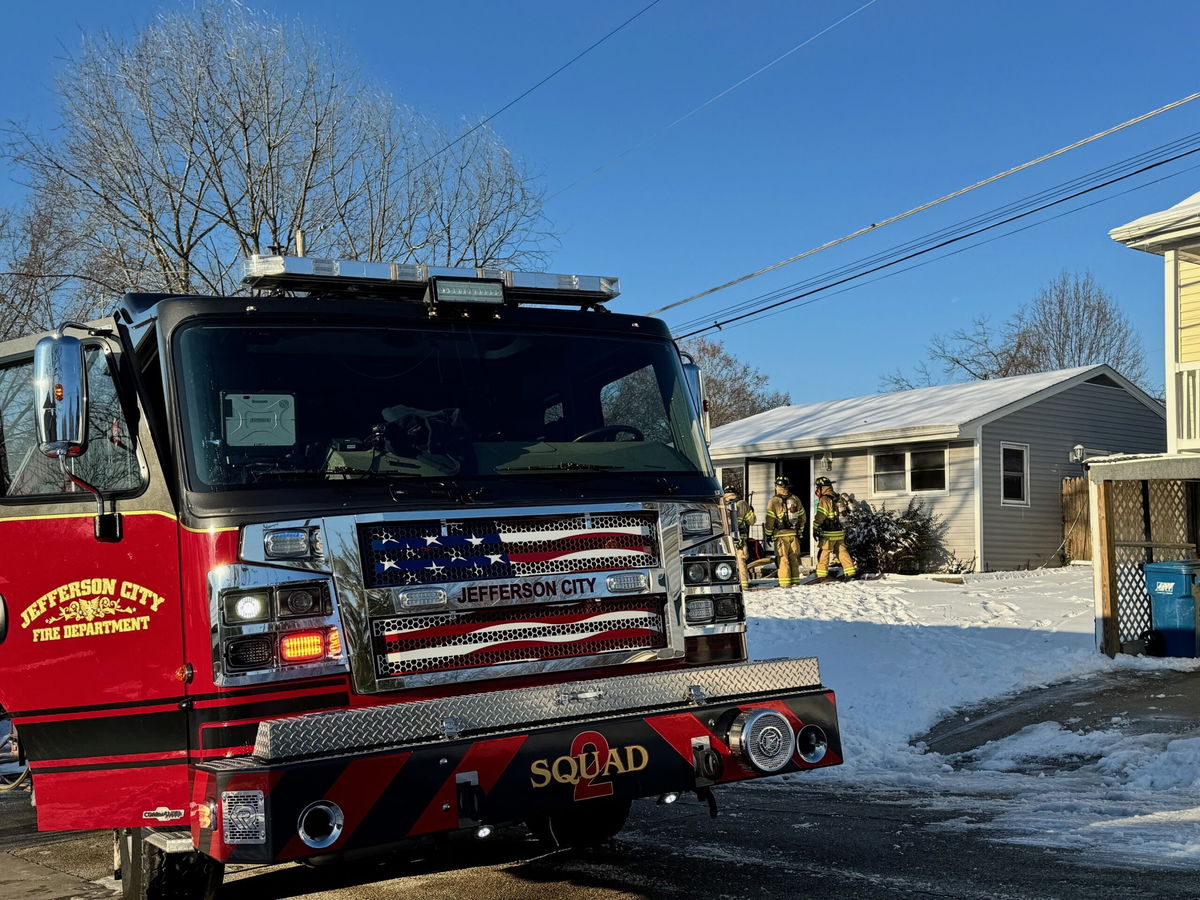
(1173, 605)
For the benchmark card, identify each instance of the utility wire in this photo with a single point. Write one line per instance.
(578, 56)
(937, 246)
(989, 240)
(1081, 181)
(932, 203)
(709, 102)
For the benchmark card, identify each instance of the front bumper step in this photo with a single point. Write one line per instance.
(472, 715)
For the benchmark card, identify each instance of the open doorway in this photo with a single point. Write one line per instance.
(799, 470)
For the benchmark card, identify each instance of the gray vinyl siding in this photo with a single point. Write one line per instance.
(1100, 418)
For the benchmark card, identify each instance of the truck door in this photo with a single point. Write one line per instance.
(91, 665)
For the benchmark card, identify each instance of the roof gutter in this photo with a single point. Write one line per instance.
(839, 442)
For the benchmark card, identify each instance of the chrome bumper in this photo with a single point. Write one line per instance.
(422, 721)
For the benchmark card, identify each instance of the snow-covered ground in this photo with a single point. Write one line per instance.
(902, 653)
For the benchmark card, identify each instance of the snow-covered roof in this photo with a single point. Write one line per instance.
(1157, 230)
(932, 413)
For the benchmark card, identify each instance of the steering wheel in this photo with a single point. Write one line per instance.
(609, 433)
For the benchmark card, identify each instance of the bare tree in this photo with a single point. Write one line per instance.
(735, 390)
(218, 132)
(1071, 322)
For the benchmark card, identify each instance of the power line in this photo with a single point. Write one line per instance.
(932, 203)
(989, 240)
(937, 246)
(1090, 178)
(709, 102)
(578, 56)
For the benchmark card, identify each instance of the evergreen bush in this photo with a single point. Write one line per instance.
(889, 541)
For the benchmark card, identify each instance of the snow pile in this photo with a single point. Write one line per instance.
(903, 653)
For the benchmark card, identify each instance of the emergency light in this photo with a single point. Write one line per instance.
(434, 285)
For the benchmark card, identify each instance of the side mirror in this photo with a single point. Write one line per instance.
(60, 396)
(695, 380)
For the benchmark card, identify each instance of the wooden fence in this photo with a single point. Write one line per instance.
(1077, 531)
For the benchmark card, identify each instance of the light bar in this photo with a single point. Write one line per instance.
(410, 281)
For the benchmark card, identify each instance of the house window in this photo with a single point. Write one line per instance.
(927, 470)
(1014, 474)
(912, 472)
(889, 473)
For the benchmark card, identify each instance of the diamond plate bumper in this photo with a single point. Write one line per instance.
(383, 727)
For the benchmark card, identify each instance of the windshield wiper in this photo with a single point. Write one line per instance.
(347, 474)
(566, 465)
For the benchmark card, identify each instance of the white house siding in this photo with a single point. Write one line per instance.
(851, 474)
(956, 506)
(1100, 418)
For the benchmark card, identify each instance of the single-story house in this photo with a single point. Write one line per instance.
(988, 457)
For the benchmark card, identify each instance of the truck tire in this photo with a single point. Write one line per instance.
(148, 873)
(586, 825)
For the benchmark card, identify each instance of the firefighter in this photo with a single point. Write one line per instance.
(829, 533)
(743, 513)
(785, 516)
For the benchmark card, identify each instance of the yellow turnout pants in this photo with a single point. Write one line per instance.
(832, 548)
(743, 570)
(787, 557)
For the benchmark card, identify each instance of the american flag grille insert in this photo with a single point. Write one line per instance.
(408, 645)
(396, 554)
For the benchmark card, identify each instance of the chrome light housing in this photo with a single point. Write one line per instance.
(763, 738)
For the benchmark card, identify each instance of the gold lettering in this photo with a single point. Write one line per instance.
(640, 751)
(109, 585)
(583, 765)
(614, 763)
(571, 775)
(540, 768)
(128, 590)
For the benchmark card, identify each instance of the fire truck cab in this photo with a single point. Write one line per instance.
(373, 554)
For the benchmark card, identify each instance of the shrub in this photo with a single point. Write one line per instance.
(885, 540)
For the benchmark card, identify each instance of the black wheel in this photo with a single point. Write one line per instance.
(586, 825)
(148, 873)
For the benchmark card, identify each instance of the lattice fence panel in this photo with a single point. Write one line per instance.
(1145, 515)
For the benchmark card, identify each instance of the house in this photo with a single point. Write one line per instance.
(988, 457)
(1145, 508)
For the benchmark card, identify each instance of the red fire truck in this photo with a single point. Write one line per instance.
(374, 554)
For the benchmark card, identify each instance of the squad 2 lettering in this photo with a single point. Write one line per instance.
(528, 590)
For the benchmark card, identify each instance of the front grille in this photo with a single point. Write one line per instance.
(409, 645)
(396, 554)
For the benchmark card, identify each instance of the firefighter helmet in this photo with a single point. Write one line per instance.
(823, 482)
(783, 481)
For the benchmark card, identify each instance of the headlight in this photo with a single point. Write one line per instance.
(722, 571)
(302, 600)
(696, 521)
(244, 607)
(699, 609)
(695, 573)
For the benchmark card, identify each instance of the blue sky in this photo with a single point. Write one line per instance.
(904, 102)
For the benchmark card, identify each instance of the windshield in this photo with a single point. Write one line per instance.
(304, 403)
